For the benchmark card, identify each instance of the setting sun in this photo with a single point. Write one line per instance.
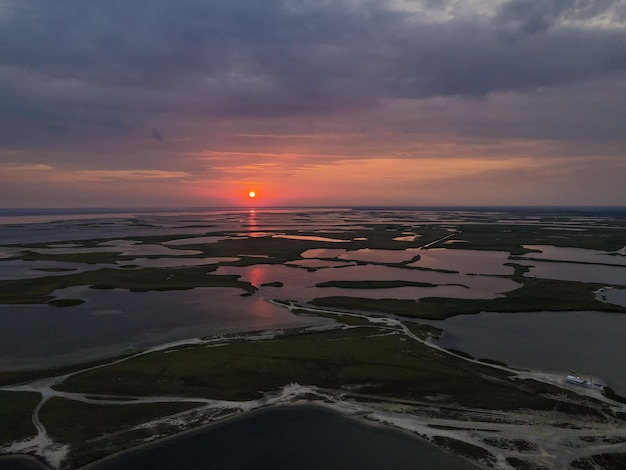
(252, 194)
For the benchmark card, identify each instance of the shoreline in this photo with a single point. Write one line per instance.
(379, 414)
(179, 435)
(33, 463)
(358, 417)
(110, 353)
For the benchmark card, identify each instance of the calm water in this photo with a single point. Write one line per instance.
(592, 343)
(597, 273)
(614, 296)
(579, 255)
(299, 284)
(111, 322)
(302, 437)
(466, 261)
(21, 463)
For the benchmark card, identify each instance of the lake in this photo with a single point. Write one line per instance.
(114, 322)
(592, 343)
(300, 437)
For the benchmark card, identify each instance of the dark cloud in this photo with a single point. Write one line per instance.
(533, 16)
(71, 66)
(156, 135)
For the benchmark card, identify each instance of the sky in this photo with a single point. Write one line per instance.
(172, 103)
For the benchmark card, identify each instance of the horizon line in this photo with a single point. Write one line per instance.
(345, 207)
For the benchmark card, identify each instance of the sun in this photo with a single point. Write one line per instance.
(252, 194)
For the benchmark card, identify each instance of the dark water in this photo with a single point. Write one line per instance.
(592, 343)
(114, 322)
(21, 463)
(302, 437)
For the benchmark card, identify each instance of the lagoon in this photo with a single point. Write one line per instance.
(300, 437)
(592, 343)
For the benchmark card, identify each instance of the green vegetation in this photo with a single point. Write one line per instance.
(65, 302)
(277, 250)
(534, 295)
(40, 290)
(367, 358)
(521, 464)
(382, 237)
(463, 448)
(95, 257)
(511, 237)
(517, 444)
(95, 431)
(16, 408)
(16, 377)
(405, 307)
(72, 421)
(604, 461)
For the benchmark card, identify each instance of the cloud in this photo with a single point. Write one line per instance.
(156, 135)
(277, 87)
(533, 16)
(127, 175)
(26, 168)
(111, 62)
(50, 173)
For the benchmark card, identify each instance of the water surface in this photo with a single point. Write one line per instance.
(113, 322)
(300, 284)
(592, 343)
(287, 438)
(596, 273)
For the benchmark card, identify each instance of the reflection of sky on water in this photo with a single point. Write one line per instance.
(112, 321)
(7, 252)
(323, 253)
(20, 269)
(577, 255)
(574, 264)
(406, 238)
(381, 256)
(319, 263)
(465, 261)
(577, 272)
(299, 284)
(613, 296)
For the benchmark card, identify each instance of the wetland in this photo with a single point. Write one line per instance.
(153, 324)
